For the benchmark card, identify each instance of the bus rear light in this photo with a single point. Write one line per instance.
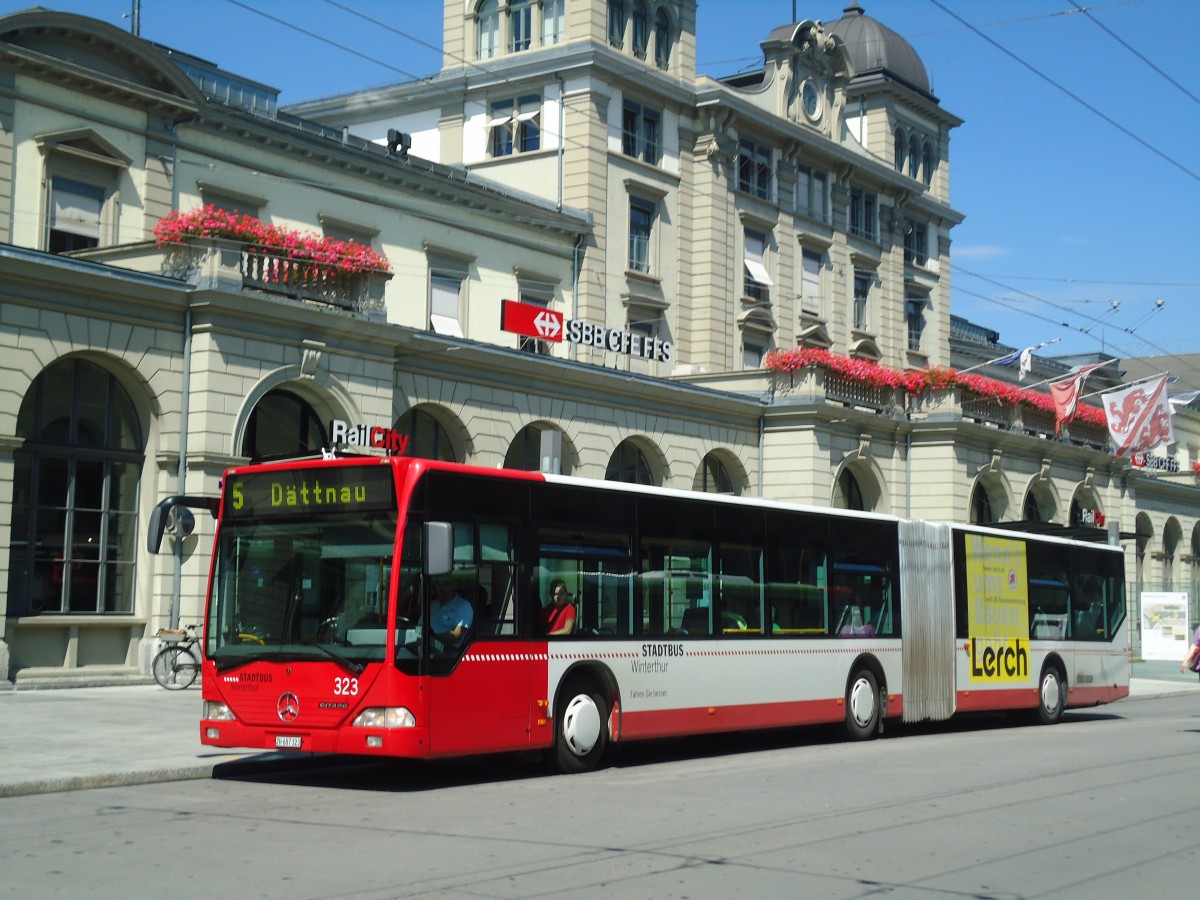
(217, 711)
(385, 717)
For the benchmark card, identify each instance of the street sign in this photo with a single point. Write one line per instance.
(532, 321)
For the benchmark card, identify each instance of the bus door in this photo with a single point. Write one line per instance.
(927, 613)
(480, 677)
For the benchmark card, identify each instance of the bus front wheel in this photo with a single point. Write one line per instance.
(581, 727)
(1052, 692)
(862, 706)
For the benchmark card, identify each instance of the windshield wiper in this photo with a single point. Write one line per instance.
(354, 668)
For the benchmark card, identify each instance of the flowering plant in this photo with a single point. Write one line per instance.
(920, 381)
(331, 255)
(1196, 469)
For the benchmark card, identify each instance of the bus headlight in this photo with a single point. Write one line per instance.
(385, 717)
(219, 711)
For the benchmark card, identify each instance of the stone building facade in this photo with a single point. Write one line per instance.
(805, 204)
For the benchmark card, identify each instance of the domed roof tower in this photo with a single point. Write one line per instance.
(878, 52)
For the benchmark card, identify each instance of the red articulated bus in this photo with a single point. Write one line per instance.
(396, 606)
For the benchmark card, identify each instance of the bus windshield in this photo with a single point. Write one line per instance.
(294, 581)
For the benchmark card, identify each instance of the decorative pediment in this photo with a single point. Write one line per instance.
(815, 335)
(85, 144)
(95, 58)
(866, 348)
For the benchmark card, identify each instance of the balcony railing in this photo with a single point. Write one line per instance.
(817, 385)
(229, 265)
(303, 280)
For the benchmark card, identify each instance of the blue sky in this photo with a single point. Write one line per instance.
(1077, 168)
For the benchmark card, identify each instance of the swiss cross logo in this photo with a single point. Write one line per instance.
(531, 321)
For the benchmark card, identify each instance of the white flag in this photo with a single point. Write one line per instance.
(1139, 417)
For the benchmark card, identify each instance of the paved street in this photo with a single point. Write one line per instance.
(72, 738)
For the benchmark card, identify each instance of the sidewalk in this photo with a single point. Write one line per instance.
(83, 737)
(68, 739)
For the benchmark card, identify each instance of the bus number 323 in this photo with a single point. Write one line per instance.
(345, 687)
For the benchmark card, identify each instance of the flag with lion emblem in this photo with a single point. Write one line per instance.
(1139, 417)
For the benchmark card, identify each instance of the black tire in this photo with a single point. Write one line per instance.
(580, 727)
(175, 668)
(1052, 696)
(862, 706)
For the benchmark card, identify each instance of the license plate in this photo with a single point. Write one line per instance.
(287, 742)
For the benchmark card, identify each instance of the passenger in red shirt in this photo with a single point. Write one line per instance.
(559, 617)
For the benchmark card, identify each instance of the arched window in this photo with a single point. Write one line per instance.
(629, 464)
(849, 495)
(520, 25)
(616, 23)
(283, 424)
(75, 490)
(914, 157)
(488, 38)
(927, 164)
(713, 477)
(662, 39)
(427, 438)
(641, 29)
(898, 148)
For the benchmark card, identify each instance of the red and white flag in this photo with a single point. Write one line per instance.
(1066, 394)
(1139, 417)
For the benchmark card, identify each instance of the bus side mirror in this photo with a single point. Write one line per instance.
(439, 548)
(173, 516)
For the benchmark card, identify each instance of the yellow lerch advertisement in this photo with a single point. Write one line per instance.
(997, 609)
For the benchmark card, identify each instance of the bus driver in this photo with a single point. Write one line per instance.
(450, 621)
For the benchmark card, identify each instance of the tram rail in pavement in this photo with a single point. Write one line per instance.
(78, 736)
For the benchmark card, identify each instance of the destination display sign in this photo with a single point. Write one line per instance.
(326, 489)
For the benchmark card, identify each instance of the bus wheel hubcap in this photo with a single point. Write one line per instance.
(862, 702)
(581, 724)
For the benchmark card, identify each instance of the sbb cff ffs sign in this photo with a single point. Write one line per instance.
(547, 325)
(531, 321)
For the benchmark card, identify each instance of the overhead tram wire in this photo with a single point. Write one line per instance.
(1050, 81)
(1087, 11)
(1184, 365)
(1093, 319)
(324, 40)
(472, 64)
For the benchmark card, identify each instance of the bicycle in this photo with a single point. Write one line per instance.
(177, 665)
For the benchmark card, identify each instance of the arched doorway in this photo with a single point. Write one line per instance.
(525, 452)
(714, 477)
(629, 464)
(75, 491)
(848, 493)
(428, 439)
(283, 424)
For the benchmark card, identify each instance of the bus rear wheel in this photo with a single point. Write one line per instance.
(581, 727)
(862, 706)
(1052, 693)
